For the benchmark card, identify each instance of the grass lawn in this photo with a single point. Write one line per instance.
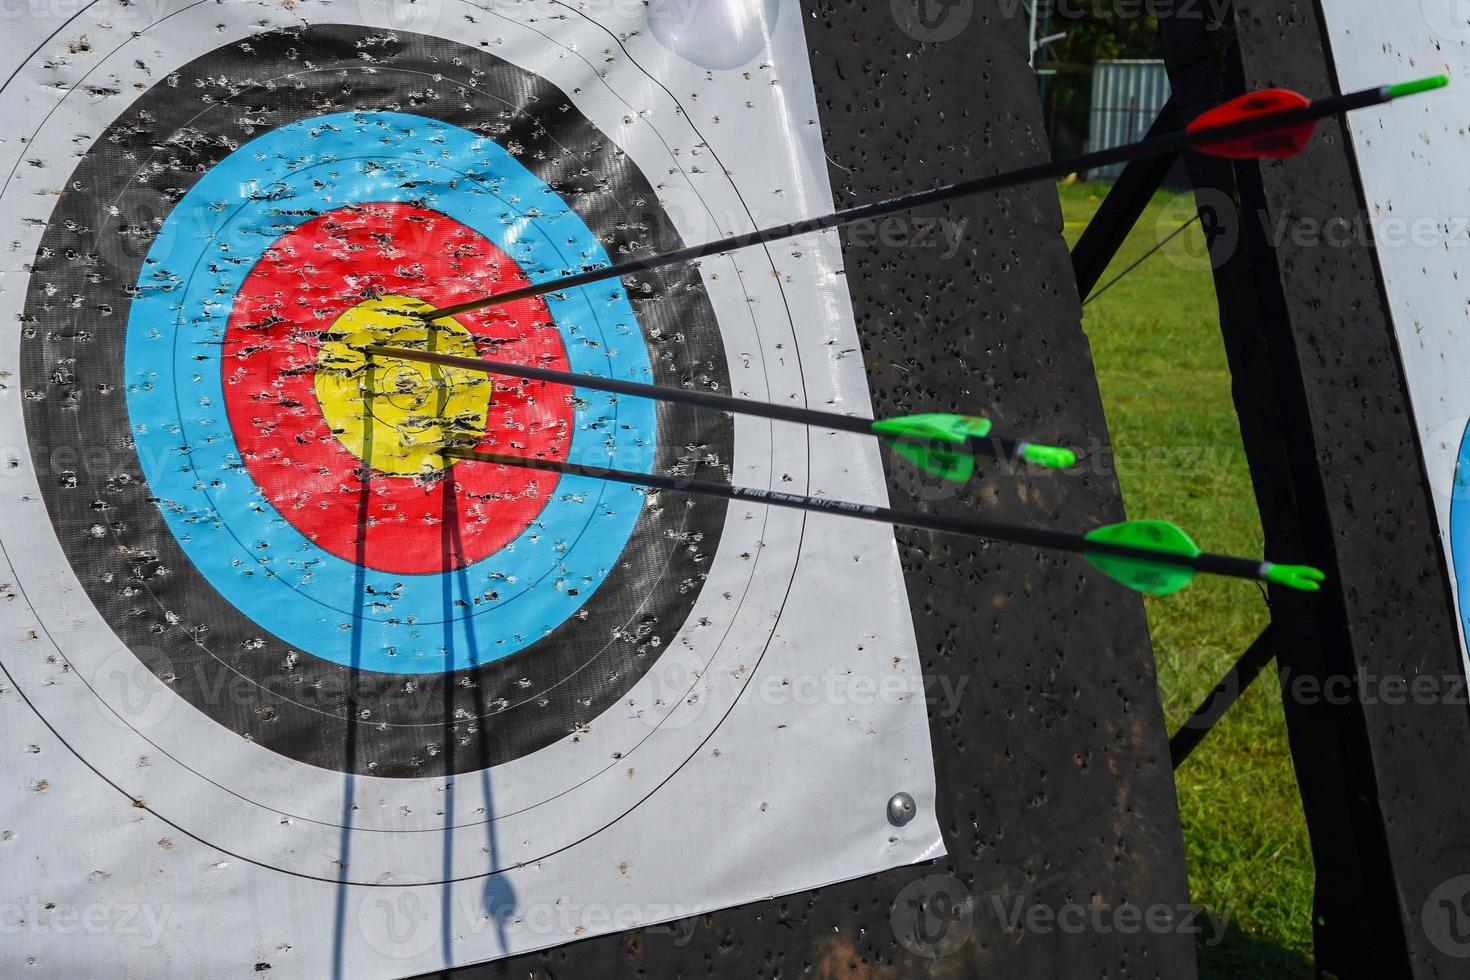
(1166, 390)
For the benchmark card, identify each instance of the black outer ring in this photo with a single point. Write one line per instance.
(226, 665)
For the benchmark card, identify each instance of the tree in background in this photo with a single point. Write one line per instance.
(1096, 30)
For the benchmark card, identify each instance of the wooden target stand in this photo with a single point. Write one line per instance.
(1317, 378)
(1056, 790)
(1066, 688)
(1383, 826)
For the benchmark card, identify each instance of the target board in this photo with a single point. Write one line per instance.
(1416, 221)
(270, 658)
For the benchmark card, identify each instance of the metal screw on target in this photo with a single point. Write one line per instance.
(902, 809)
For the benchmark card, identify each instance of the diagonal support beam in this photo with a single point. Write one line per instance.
(1260, 653)
(1120, 210)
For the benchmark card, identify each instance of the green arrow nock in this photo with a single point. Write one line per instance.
(1429, 84)
(1167, 577)
(1052, 457)
(1303, 578)
(940, 444)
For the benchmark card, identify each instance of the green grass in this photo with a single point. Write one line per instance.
(1166, 389)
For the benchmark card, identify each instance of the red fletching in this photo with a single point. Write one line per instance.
(1278, 143)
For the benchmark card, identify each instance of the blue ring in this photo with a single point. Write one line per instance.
(1460, 529)
(255, 558)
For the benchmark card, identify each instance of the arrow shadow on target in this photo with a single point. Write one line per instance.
(359, 601)
(349, 790)
(498, 896)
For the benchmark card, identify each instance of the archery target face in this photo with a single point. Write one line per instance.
(255, 560)
(1453, 444)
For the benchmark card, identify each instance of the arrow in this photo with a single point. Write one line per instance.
(1148, 556)
(1271, 124)
(939, 444)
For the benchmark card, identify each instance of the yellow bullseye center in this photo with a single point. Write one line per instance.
(392, 414)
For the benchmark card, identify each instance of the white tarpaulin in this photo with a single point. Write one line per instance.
(1411, 158)
(265, 705)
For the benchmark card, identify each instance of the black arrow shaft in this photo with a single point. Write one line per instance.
(968, 527)
(1168, 143)
(1001, 448)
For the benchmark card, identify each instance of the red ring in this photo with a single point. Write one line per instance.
(302, 283)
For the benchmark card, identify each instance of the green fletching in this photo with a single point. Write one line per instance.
(1303, 578)
(942, 427)
(1414, 88)
(1140, 574)
(938, 444)
(1054, 457)
(938, 459)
